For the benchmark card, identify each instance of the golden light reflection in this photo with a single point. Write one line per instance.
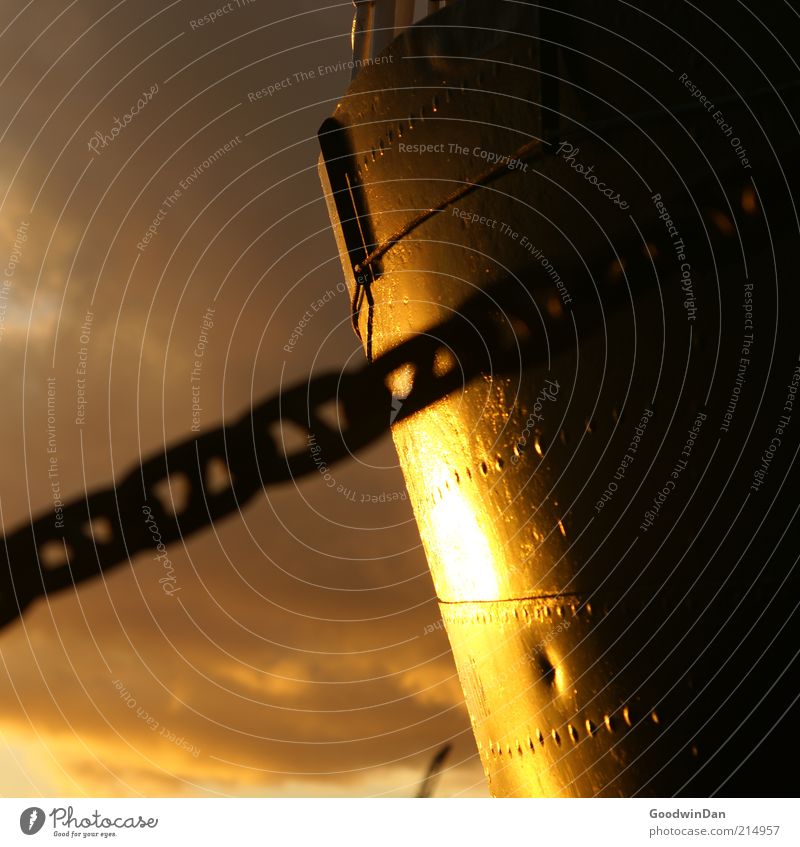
(453, 534)
(401, 381)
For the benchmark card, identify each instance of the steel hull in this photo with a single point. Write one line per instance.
(617, 598)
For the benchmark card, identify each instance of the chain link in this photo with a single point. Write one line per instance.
(498, 330)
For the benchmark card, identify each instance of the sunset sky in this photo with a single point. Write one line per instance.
(303, 654)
